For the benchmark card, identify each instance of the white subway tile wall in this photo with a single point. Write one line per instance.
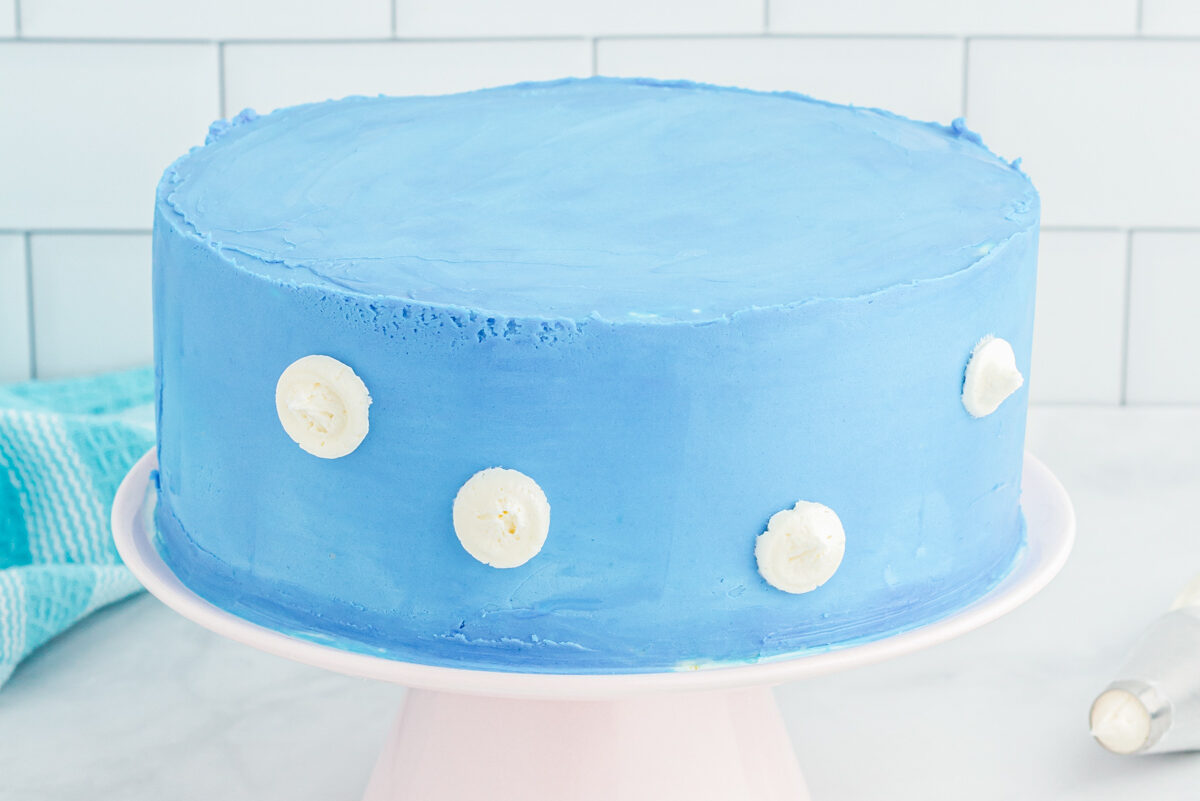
(8, 18)
(14, 309)
(917, 17)
(87, 128)
(1108, 128)
(1171, 17)
(921, 78)
(1101, 98)
(211, 19)
(1079, 327)
(91, 302)
(268, 76)
(457, 18)
(1164, 336)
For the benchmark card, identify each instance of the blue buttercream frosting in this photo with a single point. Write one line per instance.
(679, 308)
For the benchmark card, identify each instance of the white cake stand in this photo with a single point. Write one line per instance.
(712, 734)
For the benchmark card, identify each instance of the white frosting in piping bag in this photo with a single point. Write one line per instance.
(1120, 721)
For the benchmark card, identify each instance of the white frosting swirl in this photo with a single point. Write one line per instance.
(992, 376)
(322, 405)
(801, 548)
(501, 517)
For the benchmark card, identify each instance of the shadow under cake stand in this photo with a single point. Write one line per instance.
(713, 734)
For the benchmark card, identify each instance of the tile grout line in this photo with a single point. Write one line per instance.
(17, 19)
(966, 58)
(183, 40)
(221, 113)
(78, 231)
(1166, 229)
(1103, 229)
(786, 36)
(29, 321)
(595, 55)
(1075, 404)
(1140, 7)
(1086, 229)
(393, 20)
(1125, 315)
(126, 41)
(1152, 405)
(766, 16)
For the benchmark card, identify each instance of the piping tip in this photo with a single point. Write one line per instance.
(1128, 718)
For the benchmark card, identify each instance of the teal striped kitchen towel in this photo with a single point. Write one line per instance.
(64, 448)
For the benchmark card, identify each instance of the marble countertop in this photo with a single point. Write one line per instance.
(138, 703)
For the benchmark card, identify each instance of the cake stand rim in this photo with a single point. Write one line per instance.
(1050, 535)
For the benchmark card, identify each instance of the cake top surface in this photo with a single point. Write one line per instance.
(627, 200)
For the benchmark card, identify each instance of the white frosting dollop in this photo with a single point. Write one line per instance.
(501, 517)
(322, 404)
(801, 548)
(992, 376)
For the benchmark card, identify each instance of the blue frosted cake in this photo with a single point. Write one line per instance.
(592, 375)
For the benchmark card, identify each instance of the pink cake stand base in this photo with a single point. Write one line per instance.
(725, 744)
(712, 734)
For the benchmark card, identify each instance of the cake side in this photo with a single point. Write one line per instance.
(663, 445)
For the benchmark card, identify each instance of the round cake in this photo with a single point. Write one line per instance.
(591, 376)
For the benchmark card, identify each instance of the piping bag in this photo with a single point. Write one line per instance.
(1155, 706)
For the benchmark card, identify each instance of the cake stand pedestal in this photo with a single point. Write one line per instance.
(712, 734)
